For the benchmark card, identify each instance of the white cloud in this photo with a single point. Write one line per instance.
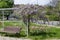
(40, 2)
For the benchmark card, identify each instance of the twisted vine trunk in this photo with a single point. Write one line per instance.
(26, 20)
(28, 24)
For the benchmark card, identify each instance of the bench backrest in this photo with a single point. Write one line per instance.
(12, 29)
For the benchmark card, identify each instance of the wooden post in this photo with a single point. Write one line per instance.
(3, 17)
(28, 25)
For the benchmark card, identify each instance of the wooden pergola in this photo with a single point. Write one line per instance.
(3, 9)
(8, 9)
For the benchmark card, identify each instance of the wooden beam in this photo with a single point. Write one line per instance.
(1, 9)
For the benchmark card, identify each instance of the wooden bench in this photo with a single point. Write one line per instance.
(11, 29)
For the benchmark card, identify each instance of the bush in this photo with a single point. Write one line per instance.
(37, 30)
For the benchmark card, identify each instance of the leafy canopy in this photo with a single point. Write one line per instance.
(6, 3)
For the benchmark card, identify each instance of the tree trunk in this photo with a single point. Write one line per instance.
(7, 17)
(28, 24)
(24, 19)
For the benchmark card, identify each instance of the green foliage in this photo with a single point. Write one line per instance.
(6, 3)
(3, 4)
(53, 17)
(52, 13)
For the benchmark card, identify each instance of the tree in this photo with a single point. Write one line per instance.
(53, 3)
(27, 12)
(7, 4)
(55, 11)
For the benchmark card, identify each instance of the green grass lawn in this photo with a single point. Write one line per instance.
(36, 33)
(48, 34)
(15, 24)
(12, 23)
(1, 24)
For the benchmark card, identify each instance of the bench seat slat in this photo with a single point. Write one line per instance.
(11, 30)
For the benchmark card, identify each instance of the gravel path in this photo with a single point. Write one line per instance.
(10, 38)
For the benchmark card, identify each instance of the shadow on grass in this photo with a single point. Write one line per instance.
(15, 35)
(12, 35)
(43, 34)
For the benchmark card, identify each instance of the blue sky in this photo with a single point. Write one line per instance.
(40, 2)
